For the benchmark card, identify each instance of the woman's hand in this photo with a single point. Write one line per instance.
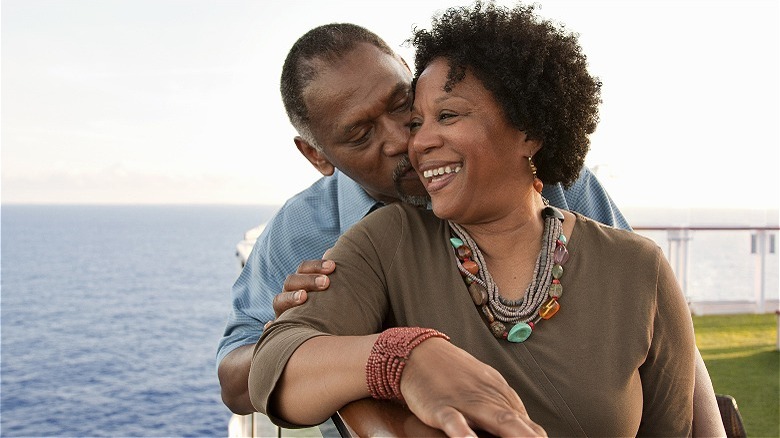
(449, 389)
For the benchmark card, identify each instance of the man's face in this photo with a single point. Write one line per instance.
(360, 107)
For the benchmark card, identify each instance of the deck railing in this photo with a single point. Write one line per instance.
(761, 247)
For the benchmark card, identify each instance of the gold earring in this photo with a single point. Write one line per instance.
(538, 184)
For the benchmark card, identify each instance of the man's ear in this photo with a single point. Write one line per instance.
(315, 157)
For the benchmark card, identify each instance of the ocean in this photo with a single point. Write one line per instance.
(110, 315)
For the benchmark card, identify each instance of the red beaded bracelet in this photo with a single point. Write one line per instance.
(388, 357)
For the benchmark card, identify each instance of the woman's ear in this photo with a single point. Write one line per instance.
(537, 145)
(533, 146)
(315, 157)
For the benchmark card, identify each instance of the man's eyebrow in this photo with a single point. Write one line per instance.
(399, 89)
(402, 88)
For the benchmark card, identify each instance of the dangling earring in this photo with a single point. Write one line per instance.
(538, 184)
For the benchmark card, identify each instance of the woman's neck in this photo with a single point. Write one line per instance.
(511, 245)
(505, 229)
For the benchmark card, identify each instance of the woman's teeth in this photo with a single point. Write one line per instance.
(441, 171)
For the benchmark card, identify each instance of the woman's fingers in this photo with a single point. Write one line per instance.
(452, 422)
(449, 389)
(503, 422)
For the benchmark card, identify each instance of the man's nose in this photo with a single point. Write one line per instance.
(397, 140)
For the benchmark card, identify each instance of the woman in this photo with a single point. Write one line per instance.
(487, 336)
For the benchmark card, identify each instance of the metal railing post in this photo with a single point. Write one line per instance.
(758, 247)
(678, 239)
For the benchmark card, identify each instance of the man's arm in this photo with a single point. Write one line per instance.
(233, 371)
(706, 415)
(233, 375)
(303, 229)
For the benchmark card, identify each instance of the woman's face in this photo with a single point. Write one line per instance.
(471, 160)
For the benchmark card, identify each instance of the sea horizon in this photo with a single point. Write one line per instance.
(772, 213)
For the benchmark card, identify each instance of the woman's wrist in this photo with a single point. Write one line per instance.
(388, 357)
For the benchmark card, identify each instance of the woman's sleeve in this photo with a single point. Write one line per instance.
(354, 304)
(668, 371)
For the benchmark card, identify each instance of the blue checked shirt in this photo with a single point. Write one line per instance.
(310, 222)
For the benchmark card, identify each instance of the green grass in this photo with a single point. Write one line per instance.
(743, 361)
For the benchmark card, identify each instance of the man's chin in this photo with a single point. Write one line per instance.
(408, 186)
(417, 201)
(415, 195)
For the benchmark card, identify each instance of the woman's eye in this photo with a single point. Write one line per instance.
(445, 116)
(414, 125)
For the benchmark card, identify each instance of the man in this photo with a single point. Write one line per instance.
(349, 97)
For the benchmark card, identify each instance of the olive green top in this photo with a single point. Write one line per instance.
(616, 360)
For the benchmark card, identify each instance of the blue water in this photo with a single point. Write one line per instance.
(110, 318)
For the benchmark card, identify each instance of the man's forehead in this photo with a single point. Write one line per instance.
(361, 82)
(364, 66)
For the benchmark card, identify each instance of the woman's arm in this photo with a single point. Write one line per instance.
(300, 374)
(668, 372)
(324, 374)
(443, 385)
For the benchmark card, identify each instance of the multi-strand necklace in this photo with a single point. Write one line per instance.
(541, 297)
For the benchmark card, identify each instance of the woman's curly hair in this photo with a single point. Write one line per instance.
(534, 69)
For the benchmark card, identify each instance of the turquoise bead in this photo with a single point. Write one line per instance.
(562, 238)
(456, 242)
(519, 332)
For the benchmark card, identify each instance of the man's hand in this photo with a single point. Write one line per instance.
(311, 276)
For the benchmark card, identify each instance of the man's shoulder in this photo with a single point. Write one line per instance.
(310, 213)
(323, 190)
(324, 200)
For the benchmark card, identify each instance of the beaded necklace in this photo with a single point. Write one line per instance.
(541, 297)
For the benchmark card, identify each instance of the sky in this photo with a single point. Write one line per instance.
(177, 101)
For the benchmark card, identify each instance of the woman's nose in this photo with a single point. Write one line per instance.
(423, 138)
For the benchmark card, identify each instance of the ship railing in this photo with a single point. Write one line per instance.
(750, 258)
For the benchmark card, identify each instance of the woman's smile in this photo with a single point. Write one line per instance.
(439, 176)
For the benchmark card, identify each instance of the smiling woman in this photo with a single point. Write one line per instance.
(476, 286)
(468, 119)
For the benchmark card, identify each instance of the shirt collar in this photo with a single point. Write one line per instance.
(354, 202)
